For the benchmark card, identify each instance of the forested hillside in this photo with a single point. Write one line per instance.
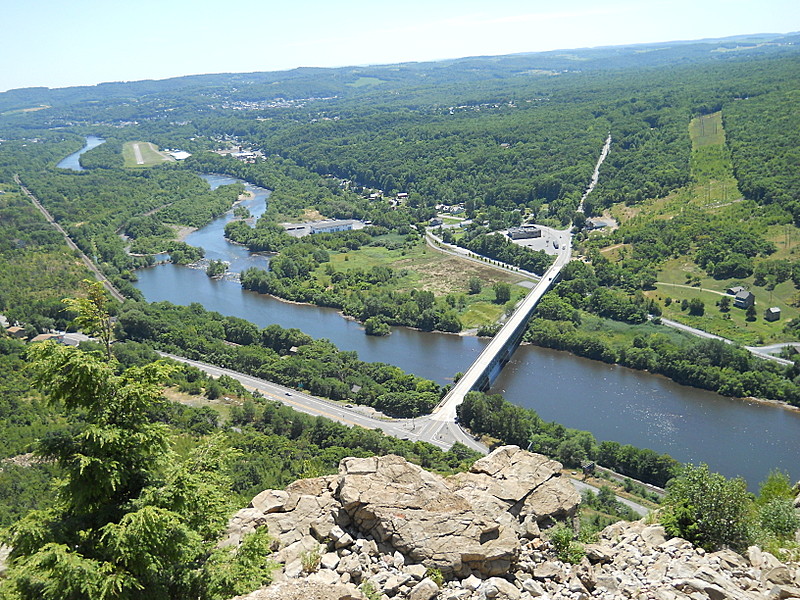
(700, 193)
(508, 139)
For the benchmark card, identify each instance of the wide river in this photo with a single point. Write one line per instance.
(733, 437)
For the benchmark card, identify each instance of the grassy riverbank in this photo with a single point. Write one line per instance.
(444, 275)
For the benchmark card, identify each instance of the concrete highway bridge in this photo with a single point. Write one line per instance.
(439, 428)
(497, 353)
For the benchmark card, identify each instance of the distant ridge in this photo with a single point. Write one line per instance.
(306, 82)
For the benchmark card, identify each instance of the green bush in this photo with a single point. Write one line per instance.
(566, 549)
(310, 560)
(435, 575)
(370, 591)
(779, 517)
(708, 510)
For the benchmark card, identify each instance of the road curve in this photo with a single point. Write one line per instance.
(761, 352)
(639, 509)
(423, 429)
(438, 433)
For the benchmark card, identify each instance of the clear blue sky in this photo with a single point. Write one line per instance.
(54, 43)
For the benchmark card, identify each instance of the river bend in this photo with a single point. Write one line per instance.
(732, 436)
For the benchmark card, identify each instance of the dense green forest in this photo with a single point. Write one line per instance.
(130, 513)
(511, 147)
(509, 140)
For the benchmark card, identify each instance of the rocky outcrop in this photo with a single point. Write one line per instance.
(389, 528)
(419, 515)
(305, 590)
(524, 485)
(469, 523)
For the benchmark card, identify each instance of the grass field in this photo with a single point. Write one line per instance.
(30, 109)
(618, 333)
(148, 153)
(715, 190)
(673, 282)
(707, 131)
(366, 82)
(436, 272)
(714, 187)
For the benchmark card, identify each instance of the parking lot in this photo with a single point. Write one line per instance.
(550, 240)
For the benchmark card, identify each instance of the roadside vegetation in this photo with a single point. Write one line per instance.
(285, 356)
(701, 177)
(506, 423)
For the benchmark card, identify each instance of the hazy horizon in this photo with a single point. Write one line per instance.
(444, 58)
(90, 41)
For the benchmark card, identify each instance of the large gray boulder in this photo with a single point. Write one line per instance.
(527, 486)
(306, 510)
(305, 590)
(469, 522)
(472, 522)
(416, 512)
(385, 523)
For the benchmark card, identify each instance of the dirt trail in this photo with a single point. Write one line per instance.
(691, 287)
(596, 174)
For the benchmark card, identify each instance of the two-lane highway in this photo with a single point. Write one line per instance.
(436, 432)
(418, 429)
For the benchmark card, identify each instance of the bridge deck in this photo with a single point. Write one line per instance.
(508, 336)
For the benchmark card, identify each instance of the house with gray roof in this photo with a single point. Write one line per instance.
(744, 299)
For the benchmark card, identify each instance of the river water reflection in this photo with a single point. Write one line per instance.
(614, 403)
(73, 161)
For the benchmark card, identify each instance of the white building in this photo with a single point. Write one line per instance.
(328, 226)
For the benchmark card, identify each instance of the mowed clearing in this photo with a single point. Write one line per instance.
(439, 273)
(428, 269)
(143, 154)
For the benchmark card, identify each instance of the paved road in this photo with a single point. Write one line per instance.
(775, 347)
(596, 174)
(86, 260)
(638, 508)
(438, 433)
(761, 352)
(137, 152)
(423, 429)
(691, 287)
